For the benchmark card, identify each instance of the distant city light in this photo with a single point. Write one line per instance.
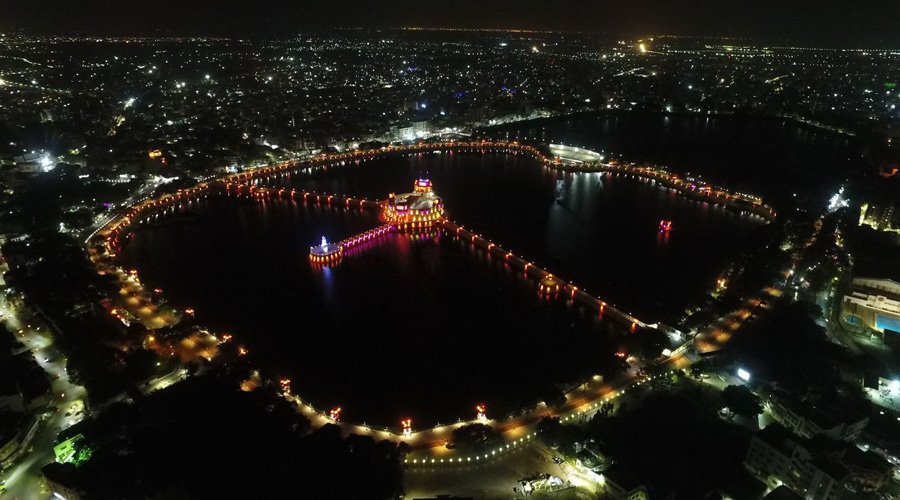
(838, 201)
(47, 164)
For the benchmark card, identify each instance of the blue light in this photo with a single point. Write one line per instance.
(885, 323)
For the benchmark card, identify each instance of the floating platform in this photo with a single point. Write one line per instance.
(326, 253)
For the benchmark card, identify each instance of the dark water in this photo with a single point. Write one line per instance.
(427, 328)
(598, 230)
(410, 327)
(773, 157)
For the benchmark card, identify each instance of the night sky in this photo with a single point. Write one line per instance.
(821, 22)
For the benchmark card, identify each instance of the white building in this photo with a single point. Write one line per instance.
(777, 457)
(874, 304)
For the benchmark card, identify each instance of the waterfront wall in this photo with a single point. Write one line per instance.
(738, 202)
(242, 184)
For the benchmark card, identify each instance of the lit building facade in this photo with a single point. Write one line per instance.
(809, 420)
(881, 217)
(776, 457)
(873, 304)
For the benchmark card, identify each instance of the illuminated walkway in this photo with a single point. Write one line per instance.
(529, 269)
(428, 444)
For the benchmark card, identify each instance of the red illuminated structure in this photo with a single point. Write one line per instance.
(408, 212)
(665, 226)
(407, 427)
(417, 210)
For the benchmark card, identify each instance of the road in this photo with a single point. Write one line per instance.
(24, 480)
(136, 300)
(430, 444)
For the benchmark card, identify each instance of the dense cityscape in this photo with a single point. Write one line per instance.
(218, 282)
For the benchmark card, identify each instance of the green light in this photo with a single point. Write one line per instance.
(69, 451)
(66, 450)
(84, 454)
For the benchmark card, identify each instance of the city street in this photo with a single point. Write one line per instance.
(23, 480)
(717, 335)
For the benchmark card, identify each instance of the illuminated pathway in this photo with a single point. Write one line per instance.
(428, 446)
(550, 285)
(406, 213)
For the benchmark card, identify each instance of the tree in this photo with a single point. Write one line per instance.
(552, 396)
(549, 430)
(741, 401)
(557, 435)
(476, 437)
(814, 310)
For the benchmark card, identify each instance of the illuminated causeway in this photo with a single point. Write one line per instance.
(416, 211)
(422, 210)
(419, 212)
